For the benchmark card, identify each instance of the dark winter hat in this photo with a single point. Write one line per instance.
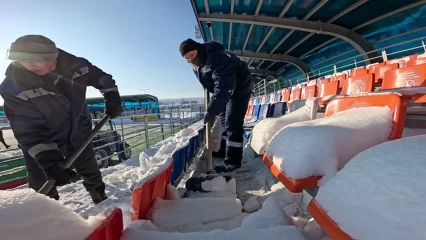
(32, 48)
(188, 45)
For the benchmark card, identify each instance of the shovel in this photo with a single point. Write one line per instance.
(48, 185)
(194, 183)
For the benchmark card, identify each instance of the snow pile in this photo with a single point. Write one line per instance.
(270, 215)
(167, 214)
(265, 130)
(384, 189)
(120, 180)
(274, 233)
(323, 146)
(29, 215)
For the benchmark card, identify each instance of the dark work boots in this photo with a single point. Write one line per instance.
(227, 167)
(98, 197)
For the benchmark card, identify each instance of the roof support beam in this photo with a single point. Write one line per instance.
(271, 29)
(413, 5)
(276, 58)
(230, 26)
(356, 40)
(206, 4)
(198, 20)
(259, 5)
(263, 72)
(308, 15)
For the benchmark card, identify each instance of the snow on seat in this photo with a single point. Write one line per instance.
(264, 131)
(302, 154)
(383, 190)
(27, 214)
(157, 170)
(359, 84)
(110, 229)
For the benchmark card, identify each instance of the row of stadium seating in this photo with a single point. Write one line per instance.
(391, 83)
(392, 75)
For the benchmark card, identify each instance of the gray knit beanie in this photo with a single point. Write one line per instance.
(32, 48)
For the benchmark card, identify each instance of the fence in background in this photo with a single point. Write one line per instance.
(118, 140)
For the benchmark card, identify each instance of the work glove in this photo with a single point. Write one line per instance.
(113, 104)
(52, 163)
(209, 118)
(61, 175)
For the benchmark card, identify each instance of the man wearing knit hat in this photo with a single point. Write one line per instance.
(44, 96)
(229, 79)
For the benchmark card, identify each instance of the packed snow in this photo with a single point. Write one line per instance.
(323, 146)
(380, 193)
(273, 233)
(29, 215)
(121, 179)
(212, 215)
(263, 131)
(167, 214)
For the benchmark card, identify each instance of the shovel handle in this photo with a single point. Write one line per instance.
(208, 129)
(48, 185)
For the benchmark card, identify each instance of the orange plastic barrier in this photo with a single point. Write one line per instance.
(110, 229)
(327, 224)
(359, 84)
(308, 92)
(379, 72)
(397, 104)
(295, 94)
(145, 195)
(358, 72)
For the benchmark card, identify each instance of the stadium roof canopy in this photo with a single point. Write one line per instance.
(126, 99)
(281, 38)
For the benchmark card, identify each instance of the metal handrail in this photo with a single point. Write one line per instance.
(333, 69)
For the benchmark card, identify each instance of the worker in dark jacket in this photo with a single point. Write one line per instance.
(45, 101)
(229, 79)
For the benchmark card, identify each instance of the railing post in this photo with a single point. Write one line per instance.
(122, 133)
(335, 68)
(384, 55)
(355, 63)
(170, 123)
(423, 44)
(162, 130)
(173, 128)
(146, 132)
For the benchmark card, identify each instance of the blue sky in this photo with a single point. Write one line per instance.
(136, 41)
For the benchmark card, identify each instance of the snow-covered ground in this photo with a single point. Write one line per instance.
(251, 206)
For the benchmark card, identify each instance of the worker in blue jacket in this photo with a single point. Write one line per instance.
(44, 95)
(229, 80)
